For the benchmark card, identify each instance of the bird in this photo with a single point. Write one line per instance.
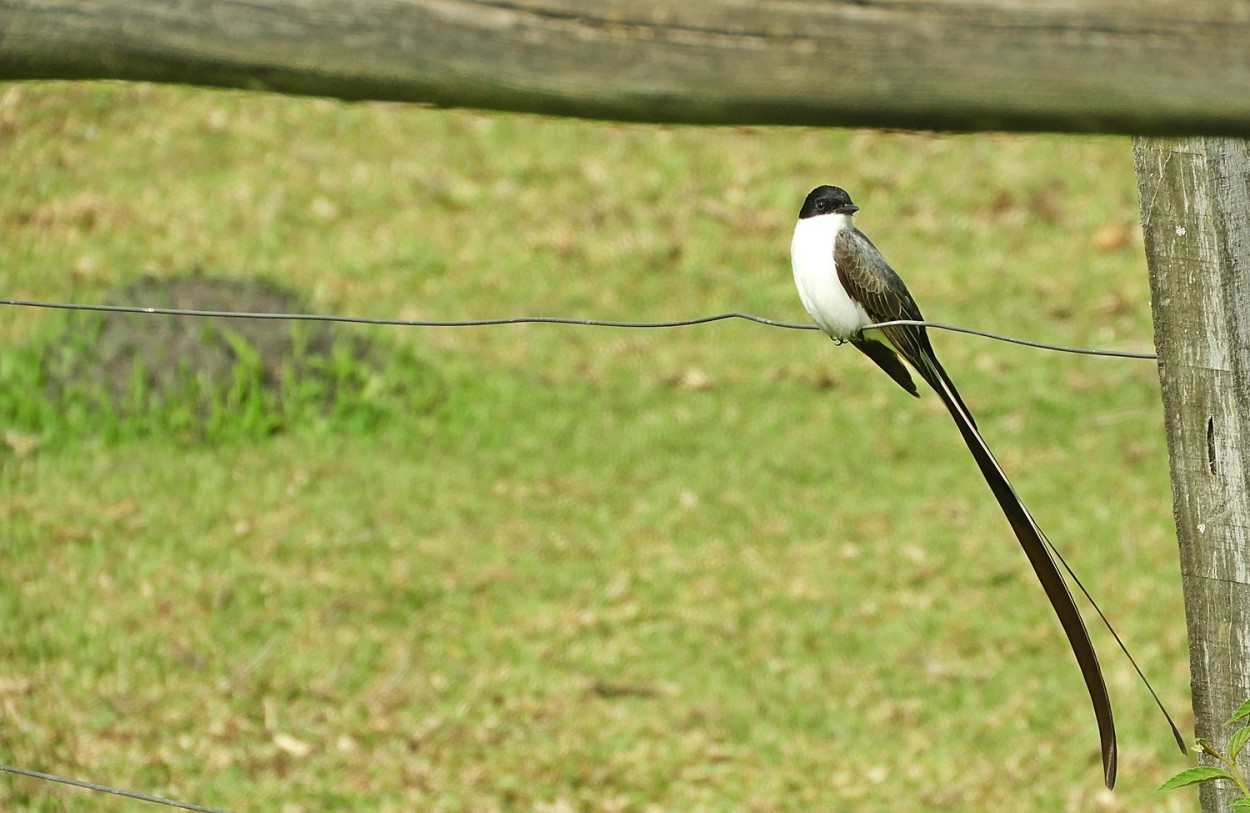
(846, 286)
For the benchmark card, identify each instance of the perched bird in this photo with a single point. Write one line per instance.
(846, 285)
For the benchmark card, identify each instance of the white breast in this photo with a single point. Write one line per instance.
(816, 276)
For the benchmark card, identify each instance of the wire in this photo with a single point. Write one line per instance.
(365, 320)
(129, 794)
(557, 320)
(1087, 351)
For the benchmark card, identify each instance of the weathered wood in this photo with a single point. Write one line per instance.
(1127, 66)
(1195, 209)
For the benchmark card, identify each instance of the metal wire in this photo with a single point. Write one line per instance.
(1087, 351)
(557, 320)
(129, 794)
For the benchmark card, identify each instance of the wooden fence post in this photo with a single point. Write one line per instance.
(1195, 212)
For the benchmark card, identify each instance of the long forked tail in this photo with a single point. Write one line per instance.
(1035, 548)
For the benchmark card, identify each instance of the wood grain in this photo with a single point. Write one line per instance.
(1195, 205)
(1120, 66)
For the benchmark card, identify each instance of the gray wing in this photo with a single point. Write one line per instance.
(870, 280)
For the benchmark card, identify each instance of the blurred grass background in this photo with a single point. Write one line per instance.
(716, 568)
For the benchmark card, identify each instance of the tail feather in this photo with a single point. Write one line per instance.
(1035, 548)
(887, 360)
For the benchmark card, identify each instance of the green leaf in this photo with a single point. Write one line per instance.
(1239, 713)
(1241, 805)
(1238, 741)
(1193, 776)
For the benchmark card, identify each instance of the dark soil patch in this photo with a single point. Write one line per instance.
(207, 372)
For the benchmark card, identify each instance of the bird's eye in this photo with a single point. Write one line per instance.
(820, 205)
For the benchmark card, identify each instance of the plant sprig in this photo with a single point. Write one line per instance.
(1209, 773)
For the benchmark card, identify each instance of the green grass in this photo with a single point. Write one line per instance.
(724, 568)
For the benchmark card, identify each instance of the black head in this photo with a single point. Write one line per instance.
(824, 200)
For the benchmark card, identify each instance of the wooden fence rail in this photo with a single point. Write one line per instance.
(1138, 67)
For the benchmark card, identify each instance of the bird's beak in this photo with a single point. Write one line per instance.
(848, 209)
